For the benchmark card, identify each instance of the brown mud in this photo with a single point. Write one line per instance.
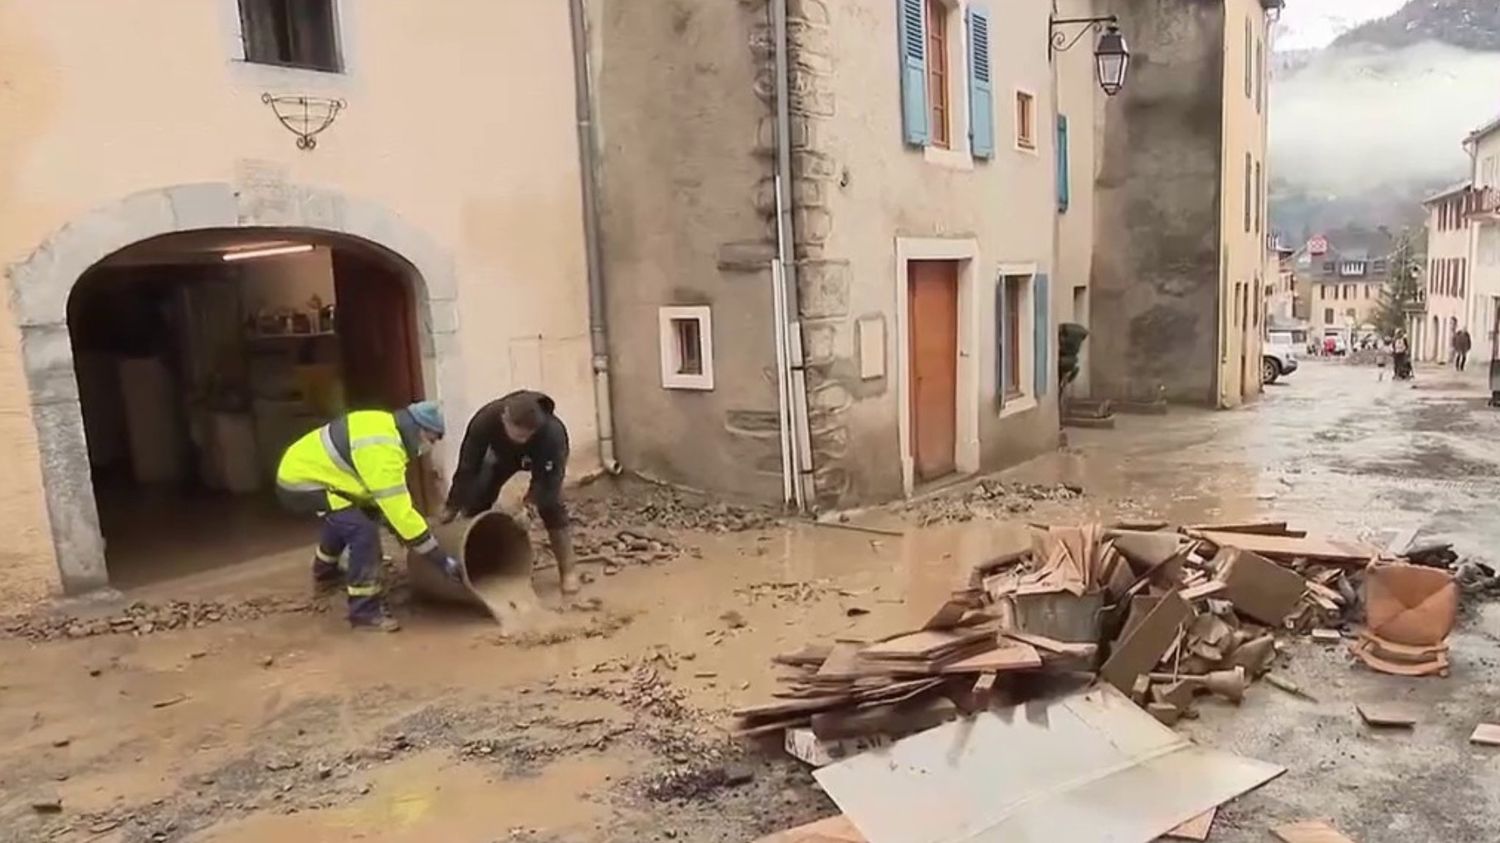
(607, 722)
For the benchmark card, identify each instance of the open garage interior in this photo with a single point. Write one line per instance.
(200, 356)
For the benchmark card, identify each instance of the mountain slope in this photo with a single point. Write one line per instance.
(1471, 24)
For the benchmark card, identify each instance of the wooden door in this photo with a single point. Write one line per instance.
(932, 310)
(376, 324)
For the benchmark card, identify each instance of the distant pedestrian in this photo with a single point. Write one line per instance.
(1462, 342)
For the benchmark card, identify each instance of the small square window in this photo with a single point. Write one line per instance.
(291, 33)
(1025, 120)
(687, 348)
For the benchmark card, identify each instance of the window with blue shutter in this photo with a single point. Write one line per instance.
(1064, 189)
(981, 88)
(912, 31)
(1041, 333)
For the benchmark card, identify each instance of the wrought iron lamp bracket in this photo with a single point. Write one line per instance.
(1061, 43)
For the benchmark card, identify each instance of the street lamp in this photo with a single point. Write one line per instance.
(1111, 53)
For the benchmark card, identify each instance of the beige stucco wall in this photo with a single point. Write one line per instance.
(1080, 99)
(891, 192)
(684, 217)
(104, 99)
(1243, 259)
(1484, 297)
(1452, 243)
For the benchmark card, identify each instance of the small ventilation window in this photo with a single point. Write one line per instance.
(687, 350)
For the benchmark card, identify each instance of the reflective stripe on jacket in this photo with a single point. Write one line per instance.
(359, 460)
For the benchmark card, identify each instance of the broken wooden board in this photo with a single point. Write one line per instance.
(1259, 588)
(926, 644)
(1011, 655)
(1391, 714)
(1262, 528)
(1486, 734)
(1196, 828)
(1021, 774)
(1288, 547)
(832, 830)
(803, 745)
(1140, 650)
(1309, 831)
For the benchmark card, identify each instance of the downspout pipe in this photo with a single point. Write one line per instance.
(588, 160)
(786, 239)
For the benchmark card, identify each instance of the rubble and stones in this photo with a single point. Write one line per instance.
(987, 499)
(146, 618)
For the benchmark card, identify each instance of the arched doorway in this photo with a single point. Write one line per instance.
(41, 286)
(200, 356)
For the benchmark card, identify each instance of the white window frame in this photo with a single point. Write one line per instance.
(255, 76)
(1036, 130)
(1025, 398)
(959, 153)
(671, 361)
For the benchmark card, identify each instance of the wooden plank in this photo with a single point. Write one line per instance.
(1264, 528)
(1196, 828)
(1288, 547)
(922, 645)
(1012, 655)
(1309, 831)
(780, 709)
(842, 663)
(1138, 652)
(1388, 713)
(1486, 734)
(1203, 591)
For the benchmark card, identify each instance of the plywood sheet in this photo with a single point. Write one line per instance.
(1309, 831)
(1196, 828)
(1012, 655)
(1087, 766)
(1287, 547)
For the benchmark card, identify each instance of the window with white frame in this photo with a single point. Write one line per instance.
(1025, 121)
(1016, 335)
(291, 33)
(687, 347)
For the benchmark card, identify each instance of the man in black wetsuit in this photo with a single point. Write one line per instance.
(520, 432)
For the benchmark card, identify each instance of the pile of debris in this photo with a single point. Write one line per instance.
(987, 499)
(1164, 615)
(1083, 622)
(141, 618)
(638, 503)
(625, 547)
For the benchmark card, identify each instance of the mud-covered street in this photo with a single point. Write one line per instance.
(608, 721)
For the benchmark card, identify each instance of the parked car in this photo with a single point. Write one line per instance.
(1278, 356)
(1335, 342)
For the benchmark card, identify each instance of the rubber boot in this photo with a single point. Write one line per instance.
(567, 567)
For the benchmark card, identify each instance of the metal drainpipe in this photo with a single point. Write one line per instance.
(786, 248)
(588, 157)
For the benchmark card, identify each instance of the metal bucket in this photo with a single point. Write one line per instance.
(497, 559)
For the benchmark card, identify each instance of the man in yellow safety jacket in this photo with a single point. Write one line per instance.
(351, 472)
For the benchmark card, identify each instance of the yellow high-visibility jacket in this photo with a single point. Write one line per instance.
(360, 460)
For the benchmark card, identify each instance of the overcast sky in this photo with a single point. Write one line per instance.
(1314, 23)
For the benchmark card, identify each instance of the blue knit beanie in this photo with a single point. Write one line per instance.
(429, 416)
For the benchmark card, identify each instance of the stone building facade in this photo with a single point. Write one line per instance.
(923, 198)
(1181, 215)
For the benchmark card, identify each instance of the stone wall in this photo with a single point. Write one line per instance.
(1156, 275)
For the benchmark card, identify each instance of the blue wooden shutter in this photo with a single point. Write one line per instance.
(981, 88)
(912, 29)
(1064, 189)
(1042, 331)
(1000, 344)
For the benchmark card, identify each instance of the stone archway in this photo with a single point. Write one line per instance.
(41, 284)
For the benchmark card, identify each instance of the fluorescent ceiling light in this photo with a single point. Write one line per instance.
(268, 252)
